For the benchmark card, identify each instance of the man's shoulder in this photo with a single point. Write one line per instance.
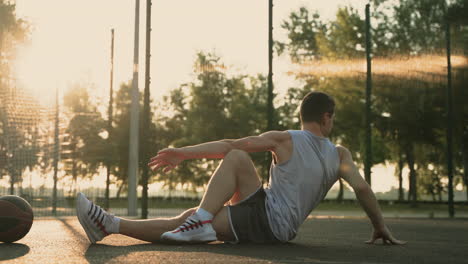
(277, 135)
(341, 148)
(342, 151)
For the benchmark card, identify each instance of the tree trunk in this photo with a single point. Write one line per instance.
(465, 163)
(74, 175)
(412, 194)
(440, 194)
(400, 178)
(108, 169)
(119, 190)
(339, 198)
(12, 184)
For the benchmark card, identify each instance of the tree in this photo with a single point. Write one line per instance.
(120, 135)
(302, 29)
(13, 31)
(418, 26)
(345, 38)
(213, 106)
(84, 150)
(310, 39)
(117, 150)
(15, 142)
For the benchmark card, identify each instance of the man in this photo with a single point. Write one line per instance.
(235, 206)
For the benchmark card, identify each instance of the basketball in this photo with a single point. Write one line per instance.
(16, 217)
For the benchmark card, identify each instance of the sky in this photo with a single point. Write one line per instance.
(70, 42)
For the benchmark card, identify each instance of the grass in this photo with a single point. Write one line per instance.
(332, 206)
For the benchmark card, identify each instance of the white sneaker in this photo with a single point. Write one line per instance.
(194, 230)
(92, 218)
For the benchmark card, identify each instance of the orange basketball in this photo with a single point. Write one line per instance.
(16, 217)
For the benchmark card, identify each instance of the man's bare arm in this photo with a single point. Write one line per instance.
(218, 149)
(366, 197)
(171, 157)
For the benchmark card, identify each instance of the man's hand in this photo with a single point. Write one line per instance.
(386, 237)
(167, 159)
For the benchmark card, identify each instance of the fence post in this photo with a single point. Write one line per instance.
(368, 161)
(450, 121)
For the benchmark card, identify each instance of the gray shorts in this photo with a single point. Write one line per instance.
(249, 221)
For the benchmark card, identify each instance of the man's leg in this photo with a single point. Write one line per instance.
(235, 179)
(151, 230)
(98, 223)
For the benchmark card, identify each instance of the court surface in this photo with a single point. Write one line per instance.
(329, 240)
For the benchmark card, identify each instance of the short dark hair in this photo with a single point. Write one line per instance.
(314, 105)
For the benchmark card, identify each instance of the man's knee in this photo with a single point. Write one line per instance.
(238, 155)
(242, 164)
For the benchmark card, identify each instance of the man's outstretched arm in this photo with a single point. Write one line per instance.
(366, 197)
(171, 157)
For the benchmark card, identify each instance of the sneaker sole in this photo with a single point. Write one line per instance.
(173, 241)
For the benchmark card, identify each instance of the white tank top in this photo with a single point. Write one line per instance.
(298, 185)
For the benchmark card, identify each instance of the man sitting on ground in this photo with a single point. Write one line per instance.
(235, 206)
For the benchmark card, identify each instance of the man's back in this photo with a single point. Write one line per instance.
(300, 183)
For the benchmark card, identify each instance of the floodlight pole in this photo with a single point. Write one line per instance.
(56, 153)
(368, 161)
(270, 65)
(450, 121)
(134, 121)
(109, 122)
(270, 79)
(146, 114)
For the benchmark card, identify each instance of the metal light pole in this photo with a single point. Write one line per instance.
(146, 114)
(109, 120)
(56, 153)
(368, 161)
(270, 66)
(133, 146)
(270, 81)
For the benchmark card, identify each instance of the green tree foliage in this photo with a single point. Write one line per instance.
(418, 26)
(408, 109)
(121, 134)
(17, 131)
(18, 141)
(118, 144)
(345, 38)
(309, 38)
(212, 107)
(83, 149)
(303, 30)
(13, 31)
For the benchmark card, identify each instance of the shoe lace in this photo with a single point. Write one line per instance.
(190, 224)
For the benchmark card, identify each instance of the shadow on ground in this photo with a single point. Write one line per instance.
(12, 250)
(318, 241)
(213, 253)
